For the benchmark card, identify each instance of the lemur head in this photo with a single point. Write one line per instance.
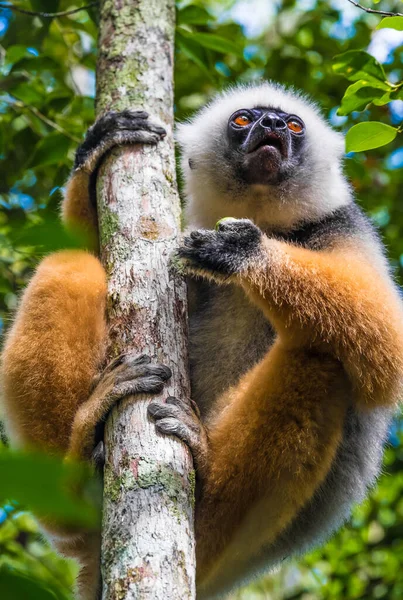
(262, 152)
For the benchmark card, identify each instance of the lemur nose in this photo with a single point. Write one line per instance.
(273, 122)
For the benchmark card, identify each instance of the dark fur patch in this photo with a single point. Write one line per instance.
(319, 235)
(109, 123)
(112, 129)
(224, 250)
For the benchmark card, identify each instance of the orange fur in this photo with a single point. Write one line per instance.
(340, 338)
(336, 301)
(278, 432)
(54, 349)
(339, 323)
(77, 212)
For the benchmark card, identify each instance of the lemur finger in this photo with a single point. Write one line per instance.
(186, 404)
(198, 235)
(160, 410)
(130, 121)
(136, 114)
(112, 129)
(134, 371)
(173, 408)
(195, 440)
(173, 426)
(180, 417)
(130, 358)
(142, 385)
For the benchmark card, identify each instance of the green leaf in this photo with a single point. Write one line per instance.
(216, 42)
(45, 5)
(17, 587)
(193, 15)
(366, 136)
(391, 23)
(47, 236)
(49, 487)
(28, 93)
(358, 95)
(15, 53)
(194, 52)
(35, 64)
(357, 65)
(50, 150)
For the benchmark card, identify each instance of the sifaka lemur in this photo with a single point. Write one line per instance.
(296, 335)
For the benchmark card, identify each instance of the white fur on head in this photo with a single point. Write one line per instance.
(319, 187)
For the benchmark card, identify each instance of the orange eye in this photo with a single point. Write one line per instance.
(294, 126)
(242, 120)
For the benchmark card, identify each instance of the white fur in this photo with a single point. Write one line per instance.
(320, 189)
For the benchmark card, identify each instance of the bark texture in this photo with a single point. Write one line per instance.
(148, 538)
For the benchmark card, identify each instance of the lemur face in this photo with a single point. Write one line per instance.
(261, 152)
(265, 144)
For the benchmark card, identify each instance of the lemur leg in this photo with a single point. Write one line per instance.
(332, 300)
(86, 548)
(265, 457)
(53, 393)
(54, 349)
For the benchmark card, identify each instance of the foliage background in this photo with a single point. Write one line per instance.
(47, 88)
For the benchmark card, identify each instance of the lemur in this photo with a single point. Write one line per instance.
(296, 335)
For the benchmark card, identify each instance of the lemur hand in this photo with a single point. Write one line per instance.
(128, 374)
(223, 251)
(181, 418)
(115, 129)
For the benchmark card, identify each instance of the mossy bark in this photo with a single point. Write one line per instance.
(148, 537)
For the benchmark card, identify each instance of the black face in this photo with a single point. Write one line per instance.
(265, 144)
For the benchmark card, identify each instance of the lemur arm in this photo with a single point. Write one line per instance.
(112, 129)
(272, 438)
(56, 346)
(333, 300)
(337, 301)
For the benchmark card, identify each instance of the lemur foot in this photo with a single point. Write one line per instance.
(181, 418)
(223, 251)
(128, 374)
(115, 129)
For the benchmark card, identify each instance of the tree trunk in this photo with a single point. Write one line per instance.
(148, 537)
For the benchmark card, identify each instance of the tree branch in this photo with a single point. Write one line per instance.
(384, 13)
(148, 538)
(46, 15)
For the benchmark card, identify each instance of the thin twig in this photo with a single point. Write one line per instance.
(384, 13)
(42, 117)
(33, 13)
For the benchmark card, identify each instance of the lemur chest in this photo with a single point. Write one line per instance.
(228, 335)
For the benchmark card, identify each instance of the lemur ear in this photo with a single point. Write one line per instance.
(192, 164)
